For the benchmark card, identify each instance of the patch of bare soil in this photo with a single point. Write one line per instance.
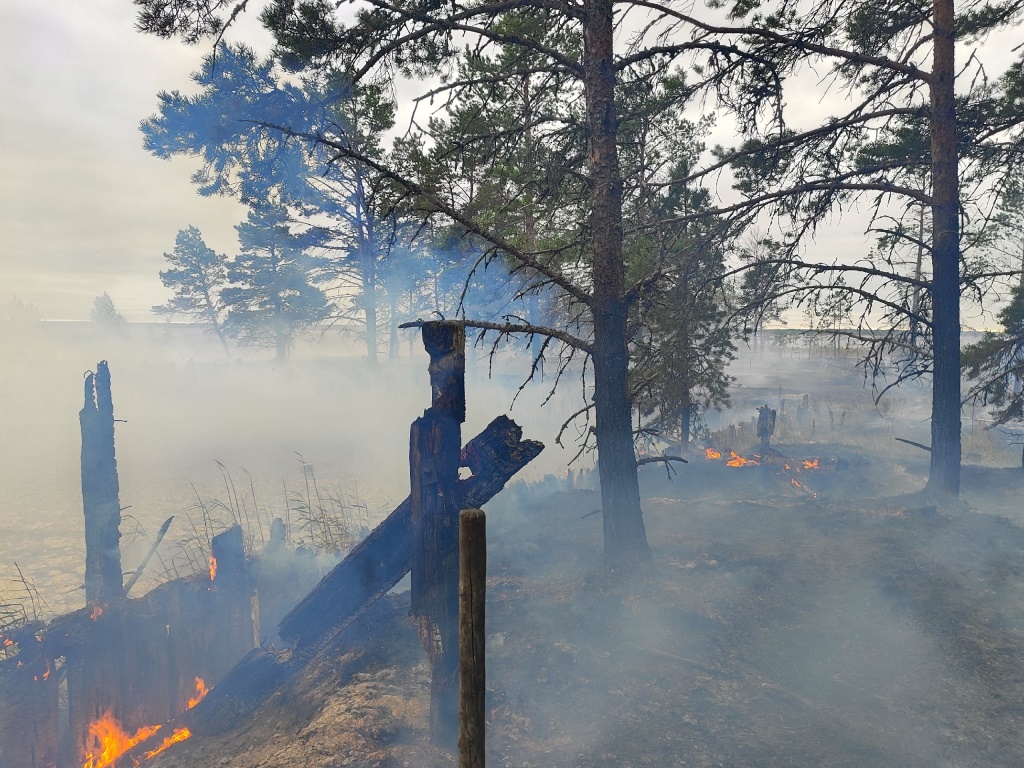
(788, 631)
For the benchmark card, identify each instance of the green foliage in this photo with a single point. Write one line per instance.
(196, 277)
(271, 296)
(995, 364)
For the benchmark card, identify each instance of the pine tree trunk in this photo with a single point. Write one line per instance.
(625, 540)
(393, 337)
(944, 474)
(370, 312)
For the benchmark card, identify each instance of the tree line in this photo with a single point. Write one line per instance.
(556, 141)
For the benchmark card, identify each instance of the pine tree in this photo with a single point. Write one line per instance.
(271, 296)
(196, 277)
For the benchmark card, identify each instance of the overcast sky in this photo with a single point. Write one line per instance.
(83, 208)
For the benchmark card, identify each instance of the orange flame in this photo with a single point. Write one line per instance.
(179, 734)
(112, 741)
(735, 460)
(46, 675)
(794, 481)
(97, 611)
(201, 691)
(712, 453)
(213, 567)
(8, 641)
(810, 463)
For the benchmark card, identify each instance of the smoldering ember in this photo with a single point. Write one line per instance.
(528, 384)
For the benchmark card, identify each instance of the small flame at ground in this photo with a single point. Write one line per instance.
(97, 611)
(112, 741)
(712, 453)
(735, 460)
(794, 481)
(179, 734)
(810, 463)
(213, 567)
(201, 691)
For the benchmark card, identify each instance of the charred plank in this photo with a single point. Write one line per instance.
(380, 561)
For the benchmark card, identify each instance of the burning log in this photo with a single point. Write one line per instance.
(385, 556)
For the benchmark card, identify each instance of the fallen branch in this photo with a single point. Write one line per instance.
(149, 556)
(661, 459)
(916, 445)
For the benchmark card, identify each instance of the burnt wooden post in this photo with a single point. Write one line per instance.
(435, 444)
(472, 601)
(231, 621)
(100, 501)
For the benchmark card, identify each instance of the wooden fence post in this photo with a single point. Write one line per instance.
(472, 638)
(435, 444)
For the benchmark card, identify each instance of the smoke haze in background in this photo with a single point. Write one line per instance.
(186, 407)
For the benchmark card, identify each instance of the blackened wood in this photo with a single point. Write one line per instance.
(472, 637)
(446, 345)
(100, 492)
(228, 549)
(231, 620)
(380, 561)
(434, 465)
(434, 454)
(28, 704)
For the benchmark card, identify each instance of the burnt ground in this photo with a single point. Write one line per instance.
(776, 629)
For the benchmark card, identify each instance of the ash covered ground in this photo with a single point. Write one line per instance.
(860, 626)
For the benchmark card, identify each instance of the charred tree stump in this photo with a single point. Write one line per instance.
(380, 560)
(472, 637)
(434, 453)
(102, 507)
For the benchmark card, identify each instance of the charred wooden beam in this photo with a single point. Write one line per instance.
(380, 561)
(434, 452)
(100, 500)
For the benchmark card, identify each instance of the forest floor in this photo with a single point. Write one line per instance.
(855, 627)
